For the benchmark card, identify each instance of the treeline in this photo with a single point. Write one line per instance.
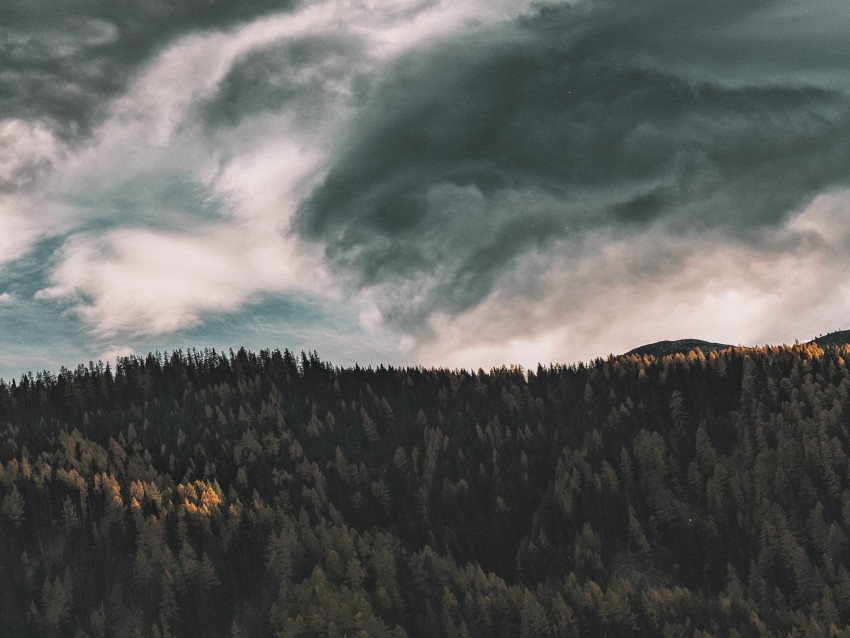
(201, 494)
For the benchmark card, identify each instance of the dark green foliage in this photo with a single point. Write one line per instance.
(264, 494)
(837, 338)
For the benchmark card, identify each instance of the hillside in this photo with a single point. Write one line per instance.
(679, 346)
(837, 338)
(200, 494)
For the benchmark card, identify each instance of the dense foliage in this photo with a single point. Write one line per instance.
(264, 494)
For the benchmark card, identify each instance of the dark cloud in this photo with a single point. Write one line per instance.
(300, 74)
(609, 116)
(60, 59)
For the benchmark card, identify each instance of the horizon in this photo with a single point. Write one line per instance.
(418, 184)
(230, 353)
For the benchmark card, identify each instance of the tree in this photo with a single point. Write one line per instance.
(13, 506)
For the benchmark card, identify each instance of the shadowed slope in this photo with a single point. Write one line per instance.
(837, 338)
(662, 348)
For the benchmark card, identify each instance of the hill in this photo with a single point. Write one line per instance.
(683, 346)
(200, 494)
(837, 338)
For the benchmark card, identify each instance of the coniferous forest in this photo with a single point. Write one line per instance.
(201, 494)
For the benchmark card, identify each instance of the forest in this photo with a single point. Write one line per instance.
(272, 494)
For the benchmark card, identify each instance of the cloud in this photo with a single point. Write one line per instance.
(729, 294)
(115, 352)
(62, 60)
(305, 74)
(27, 151)
(187, 187)
(16, 233)
(533, 139)
(144, 282)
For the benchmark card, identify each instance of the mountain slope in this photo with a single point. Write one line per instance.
(837, 338)
(663, 348)
(683, 346)
(262, 495)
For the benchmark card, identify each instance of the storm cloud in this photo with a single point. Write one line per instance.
(467, 183)
(602, 117)
(61, 60)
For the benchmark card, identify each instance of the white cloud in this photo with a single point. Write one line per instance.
(114, 352)
(30, 206)
(146, 282)
(18, 231)
(26, 150)
(142, 281)
(825, 219)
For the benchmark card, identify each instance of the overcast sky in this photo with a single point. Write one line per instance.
(458, 183)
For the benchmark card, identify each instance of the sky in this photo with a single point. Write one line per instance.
(466, 183)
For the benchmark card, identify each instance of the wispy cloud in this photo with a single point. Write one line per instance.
(247, 119)
(143, 282)
(115, 352)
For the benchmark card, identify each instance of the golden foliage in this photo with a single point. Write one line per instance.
(200, 497)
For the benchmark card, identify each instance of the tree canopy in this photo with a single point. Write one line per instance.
(243, 494)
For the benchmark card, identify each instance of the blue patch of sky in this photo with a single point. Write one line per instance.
(280, 322)
(28, 274)
(165, 202)
(37, 334)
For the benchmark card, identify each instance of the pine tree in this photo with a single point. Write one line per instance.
(13, 506)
